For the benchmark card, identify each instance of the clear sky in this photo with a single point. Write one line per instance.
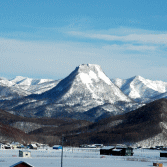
(49, 38)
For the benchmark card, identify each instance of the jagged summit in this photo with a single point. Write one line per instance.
(85, 88)
(92, 66)
(90, 72)
(141, 89)
(19, 80)
(88, 67)
(86, 85)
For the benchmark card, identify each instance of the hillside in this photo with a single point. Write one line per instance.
(15, 128)
(145, 126)
(9, 134)
(141, 89)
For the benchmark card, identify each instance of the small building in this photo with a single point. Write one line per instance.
(7, 147)
(13, 146)
(32, 146)
(158, 164)
(106, 150)
(159, 147)
(118, 150)
(57, 147)
(123, 151)
(91, 146)
(21, 164)
(163, 154)
(98, 145)
(24, 153)
(20, 146)
(83, 146)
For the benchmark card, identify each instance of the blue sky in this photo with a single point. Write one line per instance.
(49, 38)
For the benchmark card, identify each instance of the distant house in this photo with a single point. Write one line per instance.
(43, 146)
(83, 146)
(7, 147)
(159, 147)
(15, 145)
(32, 146)
(91, 146)
(106, 150)
(24, 153)
(118, 150)
(98, 145)
(163, 154)
(57, 147)
(21, 146)
(21, 164)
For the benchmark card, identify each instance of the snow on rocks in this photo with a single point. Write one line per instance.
(141, 89)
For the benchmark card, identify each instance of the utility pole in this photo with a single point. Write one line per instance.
(62, 152)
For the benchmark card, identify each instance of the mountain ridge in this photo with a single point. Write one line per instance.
(141, 89)
(86, 93)
(145, 126)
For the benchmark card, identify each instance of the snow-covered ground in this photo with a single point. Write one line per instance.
(78, 157)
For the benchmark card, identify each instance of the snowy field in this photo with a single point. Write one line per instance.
(78, 157)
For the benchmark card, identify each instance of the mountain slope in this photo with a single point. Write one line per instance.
(22, 86)
(10, 134)
(84, 89)
(84, 83)
(146, 126)
(8, 90)
(141, 89)
(16, 128)
(34, 86)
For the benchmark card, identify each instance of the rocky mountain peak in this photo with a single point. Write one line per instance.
(92, 72)
(88, 67)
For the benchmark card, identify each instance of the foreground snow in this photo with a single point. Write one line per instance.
(77, 157)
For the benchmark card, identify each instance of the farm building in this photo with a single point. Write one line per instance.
(106, 150)
(57, 147)
(91, 146)
(118, 150)
(158, 164)
(163, 154)
(7, 147)
(21, 164)
(32, 146)
(24, 153)
(98, 145)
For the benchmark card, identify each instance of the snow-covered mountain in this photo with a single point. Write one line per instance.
(34, 86)
(141, 89)
(87, 91)
(84, 89)
(86, 85)
(23, 86)
(8, 90)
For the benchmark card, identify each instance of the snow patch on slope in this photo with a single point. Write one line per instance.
(103, 76)
(85, 78)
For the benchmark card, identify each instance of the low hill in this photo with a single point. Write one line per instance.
(10, 134)
(146, 126)
(51, 128)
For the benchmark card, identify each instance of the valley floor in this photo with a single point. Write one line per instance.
(78, 157)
